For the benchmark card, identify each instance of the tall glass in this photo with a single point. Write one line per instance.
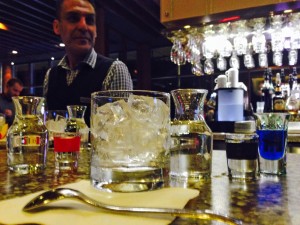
(130, 140)
(27, 138)
(272, 130)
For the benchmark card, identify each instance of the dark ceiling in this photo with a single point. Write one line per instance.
(29, 22)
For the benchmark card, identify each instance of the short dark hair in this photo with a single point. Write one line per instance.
(60, 2)
(12, 81)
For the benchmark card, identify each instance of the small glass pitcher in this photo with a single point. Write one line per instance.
(27, 138)
(191, 152)
(76, 123)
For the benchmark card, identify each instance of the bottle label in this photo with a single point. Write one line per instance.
(278, 105)
(29, 140)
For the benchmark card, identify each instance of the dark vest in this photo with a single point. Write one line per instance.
(87, 81)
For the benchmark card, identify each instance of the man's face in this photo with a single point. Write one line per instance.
(14, 90)
(76, 26)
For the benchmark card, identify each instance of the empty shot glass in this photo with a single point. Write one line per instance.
(242, 155)
(272, 130)
(66, 151)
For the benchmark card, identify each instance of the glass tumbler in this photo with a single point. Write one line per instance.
(130, 140)
(272, 130)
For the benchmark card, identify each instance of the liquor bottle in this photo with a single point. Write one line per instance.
(278, 99)
(267, 92)
(285, 90)
(293, 101)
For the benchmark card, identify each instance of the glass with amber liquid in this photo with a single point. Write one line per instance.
(27, 138)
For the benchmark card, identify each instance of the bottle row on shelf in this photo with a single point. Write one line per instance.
(283, 95)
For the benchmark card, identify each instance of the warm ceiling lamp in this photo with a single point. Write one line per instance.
(3, 26)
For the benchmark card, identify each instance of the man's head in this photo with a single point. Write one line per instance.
(14, 87)
(76, 25)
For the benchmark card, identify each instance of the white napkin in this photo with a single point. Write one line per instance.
(78, 213)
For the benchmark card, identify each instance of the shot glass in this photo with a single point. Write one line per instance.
(272, 131)
(129, 138)
(66, 151)
(242, 155)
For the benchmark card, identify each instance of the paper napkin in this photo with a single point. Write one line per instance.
(75, 212)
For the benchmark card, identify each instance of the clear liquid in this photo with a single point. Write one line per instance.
(246, 169)
(66, 161)
(27, 143)
(126, 179)
(191, 153)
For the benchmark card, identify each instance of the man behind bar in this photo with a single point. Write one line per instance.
(81, 71)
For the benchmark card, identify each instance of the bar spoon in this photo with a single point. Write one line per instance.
(37, 203)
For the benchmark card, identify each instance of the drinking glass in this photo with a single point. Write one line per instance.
(272, 131)
(130, 140)
(242, 155)
(27, 137)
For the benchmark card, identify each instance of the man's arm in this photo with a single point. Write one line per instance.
(118, 77)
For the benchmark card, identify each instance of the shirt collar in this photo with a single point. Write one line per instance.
(90, 60)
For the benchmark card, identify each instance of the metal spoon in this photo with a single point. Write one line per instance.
(66, 193)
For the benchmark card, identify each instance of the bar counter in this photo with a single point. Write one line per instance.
(267, 200)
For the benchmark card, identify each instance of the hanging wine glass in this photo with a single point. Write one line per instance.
(209, 67)
(234, 61)
(263, 60)
(222, 44)
(196, 47)
(189, 47)
(197, 69)
(240, 41)
(248, 58)
(277, 37)
(295, 34)
(258, 39)
(221, 63)
(209, 49)
(293, 57)
(277, 58)
(177, 54)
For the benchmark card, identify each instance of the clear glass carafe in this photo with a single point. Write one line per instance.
(27, 138)
(76, 123)
(191, 152)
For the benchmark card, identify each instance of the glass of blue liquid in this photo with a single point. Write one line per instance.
(272, 131)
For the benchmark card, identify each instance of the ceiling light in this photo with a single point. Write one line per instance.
(14, 52)
(288, 11)
(12, 63)
(3, 26)
(52, 58)
(61, 45)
